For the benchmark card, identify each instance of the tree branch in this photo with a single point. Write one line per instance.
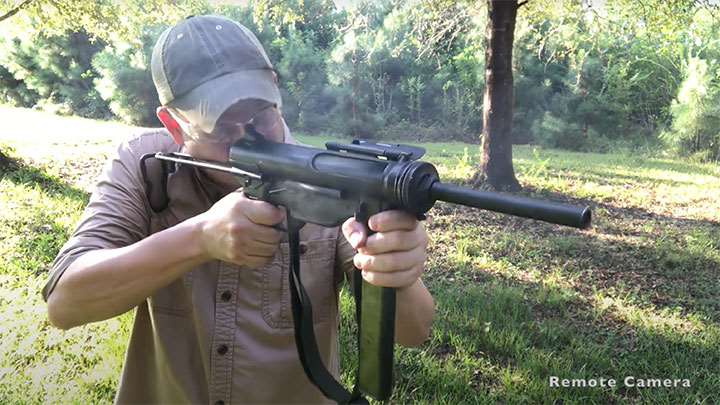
(522, 3)
(15, 10)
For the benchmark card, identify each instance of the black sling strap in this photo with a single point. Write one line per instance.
(156, 180)
(304, 329)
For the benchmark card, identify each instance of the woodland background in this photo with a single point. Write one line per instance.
(616, 107)
(589, 75)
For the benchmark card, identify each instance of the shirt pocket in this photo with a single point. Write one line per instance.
(317, 259)
(173, 299)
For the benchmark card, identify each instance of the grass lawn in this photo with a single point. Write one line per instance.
(518, 301)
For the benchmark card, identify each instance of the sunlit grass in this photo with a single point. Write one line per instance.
(39, 363)
(518, 301)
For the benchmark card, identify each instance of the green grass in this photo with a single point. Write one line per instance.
(517, 301)
(39, 363)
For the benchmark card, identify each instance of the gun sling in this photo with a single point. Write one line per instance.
(304, 329)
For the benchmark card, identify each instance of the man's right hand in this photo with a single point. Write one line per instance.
(239, 230)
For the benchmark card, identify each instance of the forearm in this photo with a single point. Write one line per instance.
(414, 311)
(105, 283)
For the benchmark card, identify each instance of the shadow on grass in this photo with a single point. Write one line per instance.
(19, 172)
(669, 262)
(673, 262)
(36, 236)
(658, 265)
(499, 338)
(504, 327)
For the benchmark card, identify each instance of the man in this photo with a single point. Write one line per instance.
(208, 271)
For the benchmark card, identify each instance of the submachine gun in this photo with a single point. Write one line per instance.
(326, 187)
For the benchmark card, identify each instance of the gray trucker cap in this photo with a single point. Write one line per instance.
(205, 64)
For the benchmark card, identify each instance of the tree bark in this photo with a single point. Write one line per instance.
(496, 168)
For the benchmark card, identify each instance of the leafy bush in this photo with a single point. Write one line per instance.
(125, 82)
(396, 70)
(696, 113)
(15, 92)
(54, 72)
(302, 70)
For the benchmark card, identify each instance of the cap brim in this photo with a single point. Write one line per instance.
(204, 104)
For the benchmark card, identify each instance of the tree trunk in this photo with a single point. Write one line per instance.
(496, 168)
(7, 164)
(354, 85)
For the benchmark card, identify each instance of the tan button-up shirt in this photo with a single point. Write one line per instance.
(221, 332)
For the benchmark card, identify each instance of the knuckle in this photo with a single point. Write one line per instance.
(269, 214)
(409, 279)
(375, 263)
(236, 228)
(269, 250)
(363, 261)
(275, 238)
(240, 202)
(235, 255)
(423, 239)
(370, 277)
(400, 239)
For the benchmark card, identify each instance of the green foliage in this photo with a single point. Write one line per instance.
(696, 112)
(125, 83)
(593, 85)
(106, 20)
(39, 363)
(15, 92)
(589, 76)
(57, 69)
(302, 70)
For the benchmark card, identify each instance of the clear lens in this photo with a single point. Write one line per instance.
(226, 132)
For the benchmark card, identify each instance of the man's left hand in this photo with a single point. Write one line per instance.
(395, 255)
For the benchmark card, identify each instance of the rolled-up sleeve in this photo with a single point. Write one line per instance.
(117, 214)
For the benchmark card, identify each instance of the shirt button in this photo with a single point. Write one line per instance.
(222, 349)
(303, 248)
(226, 295)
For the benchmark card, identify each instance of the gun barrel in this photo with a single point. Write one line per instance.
(562, 214)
